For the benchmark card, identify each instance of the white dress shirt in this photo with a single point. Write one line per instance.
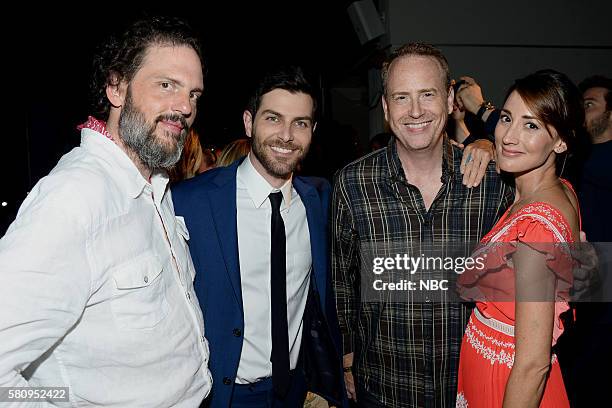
(96, 287)
(254, 246)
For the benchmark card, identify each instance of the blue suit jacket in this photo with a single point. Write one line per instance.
(208, 204)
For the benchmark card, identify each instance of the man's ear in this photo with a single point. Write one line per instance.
(385, 107)
(450, 99)
(247, 118)
(116, 91)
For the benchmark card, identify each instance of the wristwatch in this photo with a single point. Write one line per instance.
(485, 106)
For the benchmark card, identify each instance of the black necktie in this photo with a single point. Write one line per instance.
(278, 280)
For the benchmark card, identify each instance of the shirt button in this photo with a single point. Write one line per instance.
(146, 279)
(237, 332)
(202, 339)
(227, 381)
(188, 295)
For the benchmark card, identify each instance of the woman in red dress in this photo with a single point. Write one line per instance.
(506, 358)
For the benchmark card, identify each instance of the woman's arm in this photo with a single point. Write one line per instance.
(535, 309)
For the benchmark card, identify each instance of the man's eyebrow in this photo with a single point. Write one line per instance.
(178, 82)
(303, 118)
(270, 111)
(418, 91)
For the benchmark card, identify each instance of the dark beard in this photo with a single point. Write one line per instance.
(599, 125)
(140, 138)
(276, 168)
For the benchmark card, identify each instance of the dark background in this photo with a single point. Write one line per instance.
(47, 51)
(240, 41)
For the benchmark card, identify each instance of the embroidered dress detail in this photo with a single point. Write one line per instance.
(461, 401)
(547, 215)
(488, 348)
(477, 339)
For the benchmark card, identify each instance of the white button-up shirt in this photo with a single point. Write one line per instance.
(254, 214)
(96, 287)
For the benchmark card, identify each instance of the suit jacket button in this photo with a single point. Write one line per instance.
(227, 381)
(237, 332)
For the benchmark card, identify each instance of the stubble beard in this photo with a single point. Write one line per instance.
(277, 167)
(599, 125)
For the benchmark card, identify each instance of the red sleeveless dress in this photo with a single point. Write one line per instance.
(487, 349)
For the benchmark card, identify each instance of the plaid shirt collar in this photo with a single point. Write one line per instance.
(395, 171)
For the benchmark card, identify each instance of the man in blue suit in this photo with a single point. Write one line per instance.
(272, 335)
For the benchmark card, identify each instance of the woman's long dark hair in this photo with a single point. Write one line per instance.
(557, 102)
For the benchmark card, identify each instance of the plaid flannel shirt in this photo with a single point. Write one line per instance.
(406, 353)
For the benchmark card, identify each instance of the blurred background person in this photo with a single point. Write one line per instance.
(457, 128)
(471, 107)
(234, 151)
(465, 127)
(586, 348)
(595, 185)
(193, 161)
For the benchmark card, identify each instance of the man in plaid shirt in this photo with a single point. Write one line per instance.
(405, 352)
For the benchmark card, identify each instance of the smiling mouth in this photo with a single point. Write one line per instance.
(175, 127)
(281, 150)
(507, 152)
(417, 126)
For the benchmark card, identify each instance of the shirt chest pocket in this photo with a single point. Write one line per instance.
(139, 299)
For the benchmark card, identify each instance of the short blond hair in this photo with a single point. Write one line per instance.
(416, 49)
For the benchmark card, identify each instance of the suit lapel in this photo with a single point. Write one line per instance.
(222, 200)
(316, 227)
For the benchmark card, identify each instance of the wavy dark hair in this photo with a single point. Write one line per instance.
(291, 78)
(556, 101)
(120, 57)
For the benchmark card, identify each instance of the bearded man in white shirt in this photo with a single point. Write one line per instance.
(96, 278)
